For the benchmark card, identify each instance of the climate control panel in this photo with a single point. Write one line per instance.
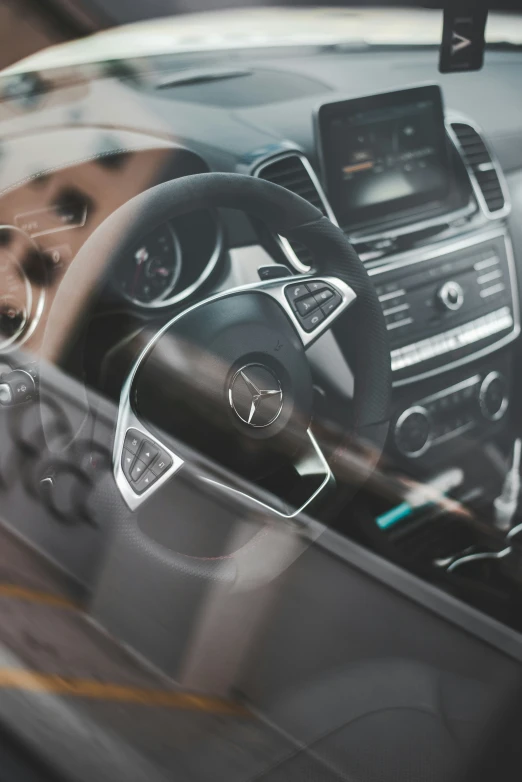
(453, 411)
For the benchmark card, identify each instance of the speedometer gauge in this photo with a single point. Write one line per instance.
(148, 275)
(21, 302)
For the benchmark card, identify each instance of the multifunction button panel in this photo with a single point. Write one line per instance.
(312, 302)
(143, 461)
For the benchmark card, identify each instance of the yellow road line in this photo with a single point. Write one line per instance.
(34, 596)
(18, 679)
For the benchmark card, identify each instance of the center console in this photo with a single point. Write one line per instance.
(420, 195)
(423, 200)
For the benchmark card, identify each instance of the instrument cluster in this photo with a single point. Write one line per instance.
(170, 262)
(22, 287)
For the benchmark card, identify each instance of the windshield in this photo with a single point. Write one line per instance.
(250, 28)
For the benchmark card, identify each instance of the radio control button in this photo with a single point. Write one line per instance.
(413, 431)
(493, 396)
(450, 296)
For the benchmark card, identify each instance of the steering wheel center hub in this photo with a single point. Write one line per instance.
(256, 395)
(231, 380)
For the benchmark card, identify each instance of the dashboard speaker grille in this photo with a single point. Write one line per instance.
(293, 172)
(479, 161)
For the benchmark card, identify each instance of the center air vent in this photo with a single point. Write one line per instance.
(481, 167)
(295, 173)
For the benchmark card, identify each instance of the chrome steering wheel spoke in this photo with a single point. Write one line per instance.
(142, 463)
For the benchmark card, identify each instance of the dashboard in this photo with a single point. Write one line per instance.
(421, 172)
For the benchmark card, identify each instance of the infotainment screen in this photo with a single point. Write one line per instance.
(385, 154)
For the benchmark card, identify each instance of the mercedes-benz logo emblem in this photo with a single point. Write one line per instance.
(255, 395)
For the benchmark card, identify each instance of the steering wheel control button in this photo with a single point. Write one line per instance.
(127, 460)
(133, 441)
(137, 470)
(162, 463)
(305, 306)
(148, 453)
(312, 321)
(331, 304)
(316, 286)
(295, 292)
(311, 310)
(143, 483)
(324, 295)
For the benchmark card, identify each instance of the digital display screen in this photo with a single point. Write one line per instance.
(385, 154)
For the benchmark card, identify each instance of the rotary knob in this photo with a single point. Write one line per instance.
(413, 431)
(493, 396)
(450, 296)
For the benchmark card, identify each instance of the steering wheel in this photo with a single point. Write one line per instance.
(229, 376)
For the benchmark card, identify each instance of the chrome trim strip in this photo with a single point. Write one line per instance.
(399, 324)
(471, 381)
(410, 228)
(443, 438)
(127, 419)
(282, 240)
(514, 531)
(392, 295)
(498, 288)
(463, 120)
(482, 555)
(328, 477)
(411, 257)
(490, 276)
(457, 337)
(487, 263)
(395, 310)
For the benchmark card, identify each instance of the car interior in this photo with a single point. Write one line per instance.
(260, 396)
